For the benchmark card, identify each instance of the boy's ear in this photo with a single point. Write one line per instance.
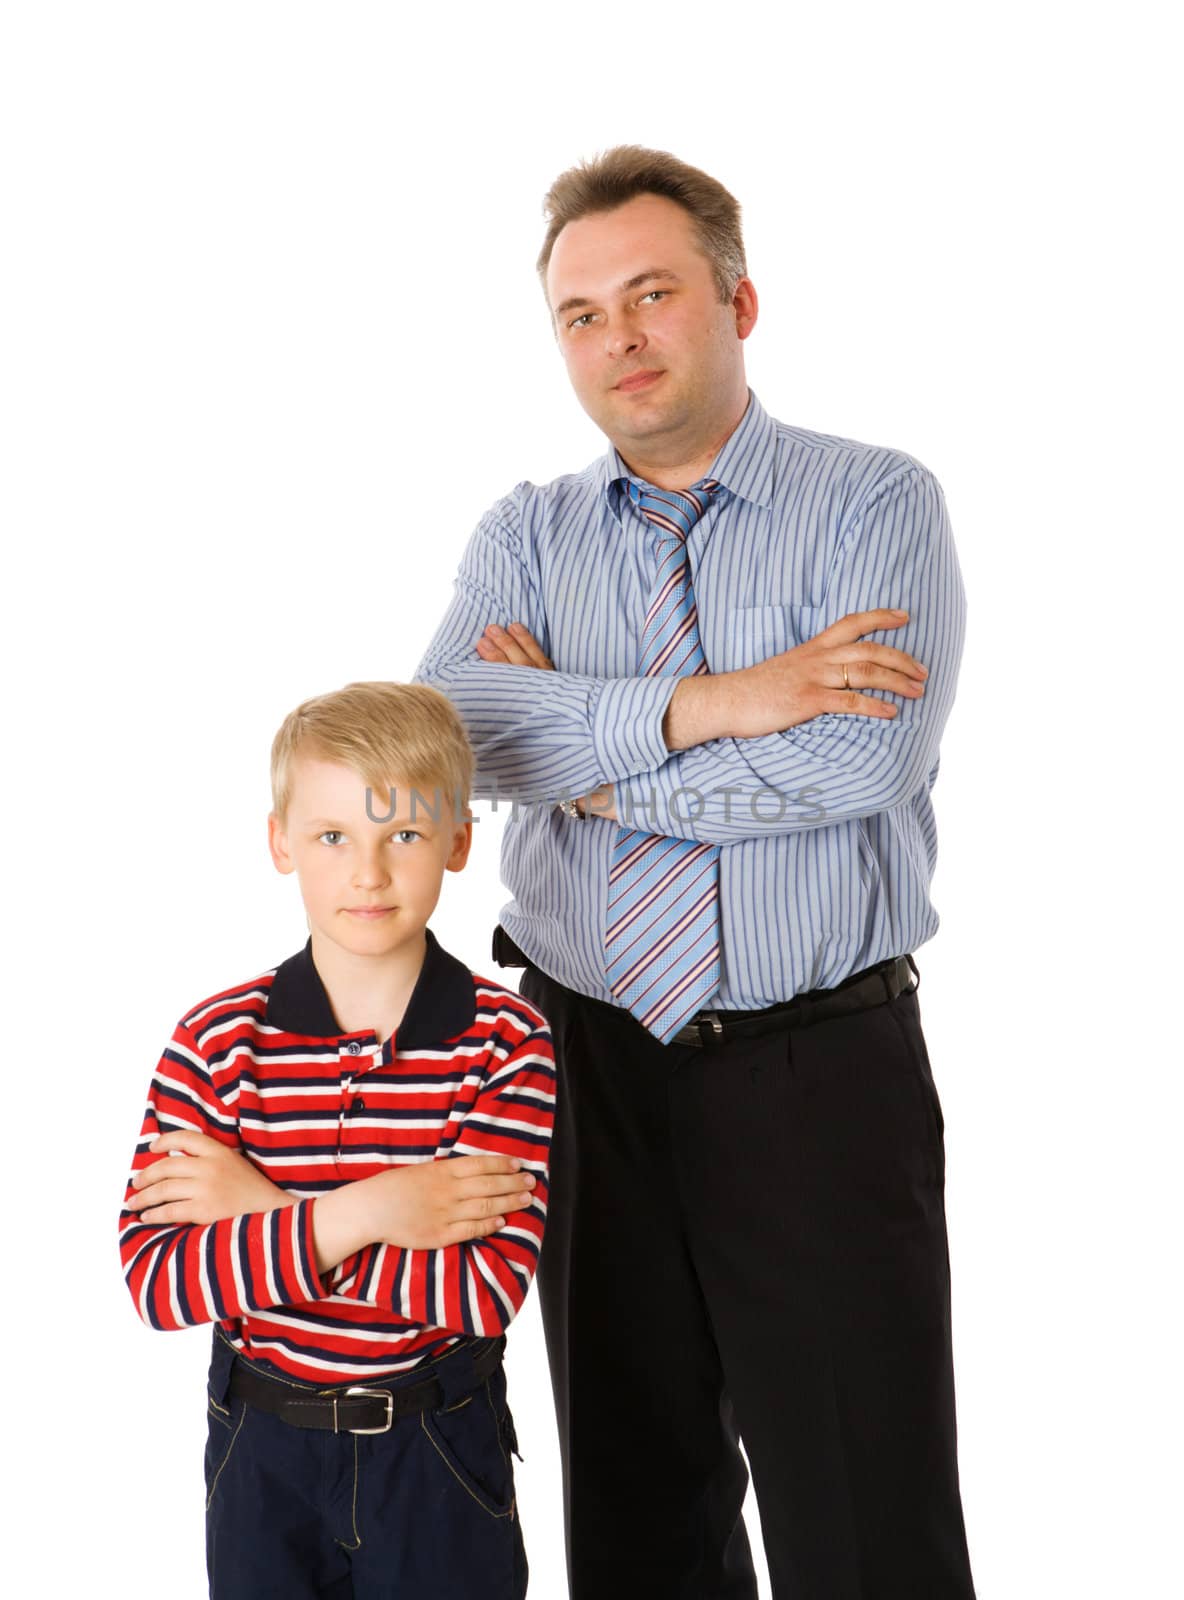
(277, 843)
(462, 843)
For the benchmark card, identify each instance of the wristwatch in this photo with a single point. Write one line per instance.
(570, 809)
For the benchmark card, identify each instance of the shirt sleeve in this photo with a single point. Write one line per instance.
(476, 1287)
(898, 552)
(536, 735)
(182, 1274)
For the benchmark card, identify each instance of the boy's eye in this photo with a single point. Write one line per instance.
(330, 836)
(405, 835)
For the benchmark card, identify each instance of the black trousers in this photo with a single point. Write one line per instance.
(748, 1241)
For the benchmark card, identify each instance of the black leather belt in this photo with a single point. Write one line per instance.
(862, 990)
(361, 1408)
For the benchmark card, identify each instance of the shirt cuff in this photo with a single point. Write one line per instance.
(298, 1257)
(627, 726)
(653, 802)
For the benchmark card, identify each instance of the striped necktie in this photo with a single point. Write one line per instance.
(662, 924)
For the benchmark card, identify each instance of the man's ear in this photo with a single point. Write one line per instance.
(745, 306)
(462, 843)
(277, 843)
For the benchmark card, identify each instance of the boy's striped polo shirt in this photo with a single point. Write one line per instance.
(264, 1067)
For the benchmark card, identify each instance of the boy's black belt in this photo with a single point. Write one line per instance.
(862, 990)
(362, 1408)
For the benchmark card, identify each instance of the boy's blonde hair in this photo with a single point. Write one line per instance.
(387, 732)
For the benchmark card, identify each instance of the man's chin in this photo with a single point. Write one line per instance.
(640, 422)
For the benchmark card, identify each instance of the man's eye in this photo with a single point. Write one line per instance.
(331, 836)
(584, 318)
(656, 294)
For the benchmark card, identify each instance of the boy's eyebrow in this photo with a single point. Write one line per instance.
(380, 805)
(659, 274)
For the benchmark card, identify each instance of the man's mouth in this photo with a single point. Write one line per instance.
(637, 380)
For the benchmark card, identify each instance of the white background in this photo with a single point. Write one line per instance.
(272, 342)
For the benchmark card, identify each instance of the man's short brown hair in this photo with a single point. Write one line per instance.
(407, 732)
(629, 170)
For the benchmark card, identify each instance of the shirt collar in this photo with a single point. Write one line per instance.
(744, 465)
(442, 1006)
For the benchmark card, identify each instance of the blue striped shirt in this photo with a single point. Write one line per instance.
(827, 829)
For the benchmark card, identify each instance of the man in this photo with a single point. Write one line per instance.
(746, 1234)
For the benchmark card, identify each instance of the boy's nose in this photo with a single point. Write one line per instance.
(371, 873)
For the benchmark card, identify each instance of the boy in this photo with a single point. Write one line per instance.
(343, 1165)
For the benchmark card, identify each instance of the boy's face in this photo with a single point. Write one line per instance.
(369, 887)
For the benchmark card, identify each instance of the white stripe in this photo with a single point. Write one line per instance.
(486, 1272)
(240, 1288)
(195, 1017)
(203, 1276)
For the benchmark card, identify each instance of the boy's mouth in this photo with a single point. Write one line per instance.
(370, 911)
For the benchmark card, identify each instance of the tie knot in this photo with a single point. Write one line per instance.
(675, 511)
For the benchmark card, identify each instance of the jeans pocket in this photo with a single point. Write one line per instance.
(223, 1426)
(467, 1440)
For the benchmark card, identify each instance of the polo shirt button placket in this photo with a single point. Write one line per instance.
(353, 1048)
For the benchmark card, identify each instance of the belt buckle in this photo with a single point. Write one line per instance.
(709, 1019)
(371, 1394)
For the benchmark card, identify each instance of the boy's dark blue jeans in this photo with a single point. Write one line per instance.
(425, 1511)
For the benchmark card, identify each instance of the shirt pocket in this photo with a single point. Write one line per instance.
(757, 632)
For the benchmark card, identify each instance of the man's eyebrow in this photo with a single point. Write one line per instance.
(651, 274)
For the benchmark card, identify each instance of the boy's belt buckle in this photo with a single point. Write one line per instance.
(370, 1394)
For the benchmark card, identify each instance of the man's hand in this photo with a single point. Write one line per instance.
(518, 647)
(601, 802)
(515, 645)
(209, 1182)
(797, 685)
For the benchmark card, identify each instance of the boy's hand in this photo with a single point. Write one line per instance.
(438, 1203)
(208, 1183)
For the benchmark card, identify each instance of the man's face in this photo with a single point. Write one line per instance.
(654, 357)
(368, 887)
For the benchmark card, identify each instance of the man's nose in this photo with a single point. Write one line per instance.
(624, 338)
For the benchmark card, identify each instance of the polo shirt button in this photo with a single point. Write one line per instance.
(353, 1047)
(359, 1105)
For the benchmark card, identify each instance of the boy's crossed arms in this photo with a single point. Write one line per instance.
(428, 1206)
(449, 1242)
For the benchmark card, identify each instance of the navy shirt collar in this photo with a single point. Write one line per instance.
(442, 1006)
(744, 465)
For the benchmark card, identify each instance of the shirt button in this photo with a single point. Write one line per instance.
(359, 1105)
(353, 1047)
